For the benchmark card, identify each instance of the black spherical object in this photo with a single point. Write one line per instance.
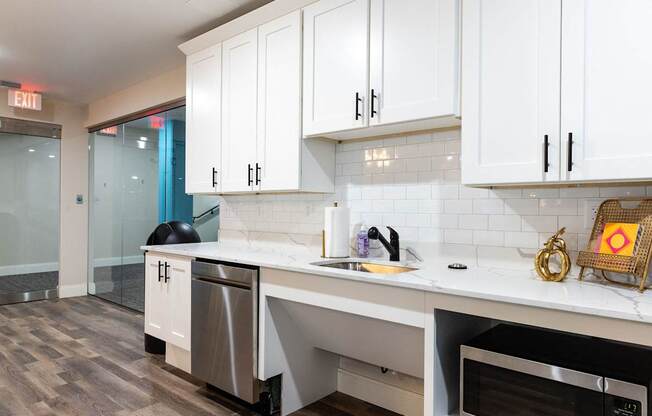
(173, 232)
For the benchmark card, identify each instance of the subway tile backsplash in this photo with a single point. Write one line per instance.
(412, 182)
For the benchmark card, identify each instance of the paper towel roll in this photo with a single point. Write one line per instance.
(336, 232)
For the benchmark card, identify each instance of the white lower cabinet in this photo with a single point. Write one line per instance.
(167, 299)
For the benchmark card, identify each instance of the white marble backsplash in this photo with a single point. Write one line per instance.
(412, 183)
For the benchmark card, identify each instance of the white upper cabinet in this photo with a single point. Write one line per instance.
(570, 73)
(278, 158)
(606, 89)
(239, 95)
(203, 112)
(379, 67)
(413, 60)
(335, 68)
(510, 90)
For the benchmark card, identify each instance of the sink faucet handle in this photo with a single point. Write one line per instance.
(393, 235)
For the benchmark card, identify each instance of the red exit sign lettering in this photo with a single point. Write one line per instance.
(25, 99)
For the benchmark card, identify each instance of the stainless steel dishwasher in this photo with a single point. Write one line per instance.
(224, 345)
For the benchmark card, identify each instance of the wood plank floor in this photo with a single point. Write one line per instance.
(83, 357)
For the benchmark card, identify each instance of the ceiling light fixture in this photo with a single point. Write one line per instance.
(31, 150)
(143, 138)
(51, 156)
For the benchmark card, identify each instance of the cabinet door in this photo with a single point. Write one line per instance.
(178, 290)
(203, 142)
(413, 60)
(279, 103)
(239, 93)
(510, 95)
(335, 68)
(606, 89)
(156, 302)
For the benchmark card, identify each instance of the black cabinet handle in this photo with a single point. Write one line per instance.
(358, 100)
(159, 270)
(546, 145)
(258, 172)
(373, 101)
(167, 276)
(214, 174)
(249, 171)
(570, 152)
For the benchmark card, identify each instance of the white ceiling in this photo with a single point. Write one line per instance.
(81, 50)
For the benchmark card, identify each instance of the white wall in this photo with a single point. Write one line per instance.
(74, 180)
(152, 92)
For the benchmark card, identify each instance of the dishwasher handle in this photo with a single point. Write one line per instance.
(221, 282)
(224, 273)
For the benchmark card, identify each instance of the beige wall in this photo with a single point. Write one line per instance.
(152, 92)
(74, 180)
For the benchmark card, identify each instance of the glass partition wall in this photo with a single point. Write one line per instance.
(29, 217)
(137, 181)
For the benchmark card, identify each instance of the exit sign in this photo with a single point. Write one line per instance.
(24, 99)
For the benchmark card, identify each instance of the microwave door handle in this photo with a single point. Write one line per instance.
(534, 368)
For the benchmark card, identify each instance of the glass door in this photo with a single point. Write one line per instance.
(29, 217)
(137, 181)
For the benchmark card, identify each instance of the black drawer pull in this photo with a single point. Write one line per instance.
(214, 180)
(258, 173)
(159, 270)
(249, 172)
(167, 275)
(570, 152)
(358, 100)
(373, 101)
(546, 145)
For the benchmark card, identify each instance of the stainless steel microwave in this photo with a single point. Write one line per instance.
(521, 371)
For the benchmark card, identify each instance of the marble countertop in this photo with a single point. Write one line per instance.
(497, 284)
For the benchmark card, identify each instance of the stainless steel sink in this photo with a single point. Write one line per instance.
(367, 267)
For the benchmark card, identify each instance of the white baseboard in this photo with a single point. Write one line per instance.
(28, 268)
(117, 261)
(71, 291)
(384, 395)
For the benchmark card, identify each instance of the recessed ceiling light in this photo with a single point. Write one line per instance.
(51, 156)
(143, 138)
(134, 178)
(31, 150)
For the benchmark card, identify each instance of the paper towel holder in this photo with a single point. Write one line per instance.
(325, 252)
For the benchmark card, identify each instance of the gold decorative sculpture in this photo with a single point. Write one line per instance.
(555, 246)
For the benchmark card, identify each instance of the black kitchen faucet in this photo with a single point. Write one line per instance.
(392, 246)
